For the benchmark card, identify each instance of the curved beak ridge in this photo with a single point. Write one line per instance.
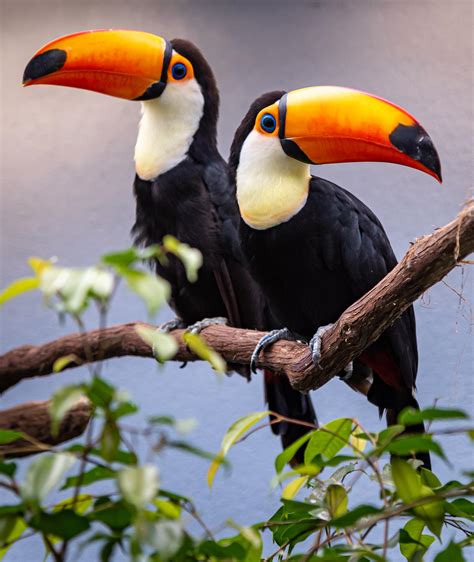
(326, 124)
(125, 64)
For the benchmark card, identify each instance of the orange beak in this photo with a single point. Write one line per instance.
(125, 64)
(326, 124)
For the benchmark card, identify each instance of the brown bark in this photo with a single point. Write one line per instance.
(428, 260)
(33, 420)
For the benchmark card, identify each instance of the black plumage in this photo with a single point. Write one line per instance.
(195, 202)
(312, 267)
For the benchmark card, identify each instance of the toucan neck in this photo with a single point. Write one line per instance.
(168, 128)
(271, 187)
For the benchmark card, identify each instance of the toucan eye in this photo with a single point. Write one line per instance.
(179, 71)
(268, 123)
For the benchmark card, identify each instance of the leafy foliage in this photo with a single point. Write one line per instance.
(318, 519)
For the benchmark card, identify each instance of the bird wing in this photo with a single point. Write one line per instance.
(241, 295)
(356, 245)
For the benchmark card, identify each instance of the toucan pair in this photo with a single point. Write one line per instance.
(283, 250)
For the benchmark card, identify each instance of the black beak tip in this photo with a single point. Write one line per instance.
(429, 156)
(415, 142)
(44, 64)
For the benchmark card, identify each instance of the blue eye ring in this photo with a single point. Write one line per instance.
(268, 122)
(179, 71)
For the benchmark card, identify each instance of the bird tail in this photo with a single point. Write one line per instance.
(394, 401)
(283, 399)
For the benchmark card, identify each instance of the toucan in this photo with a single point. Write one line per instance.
(313, 247)
(181, 185)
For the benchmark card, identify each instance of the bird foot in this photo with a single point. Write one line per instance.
(171, 325)
(267, 340)
(198, 327)
(315, 343)
(315, 347)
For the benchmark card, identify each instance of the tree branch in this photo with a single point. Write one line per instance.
(33, 420)
(428, 260)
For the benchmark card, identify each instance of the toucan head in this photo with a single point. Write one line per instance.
(134, 65)
(283, 133)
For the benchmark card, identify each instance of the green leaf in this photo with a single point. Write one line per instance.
(190, 257)
(336, 500)
(65, 524)
(429, 478)
(412, 444)
(64, 361)
(79, 504)
(74, 287)
(329, 439)
(235, 432)
(44, 474)
(410, 489)
(298, 521)
(124, 409)
(167, 508)
(352, 517)
(6, 510)
(239, 428)
(183, 446)
(452, 553)
(413, 544)
(138, 485)
(61, 402)
(116, 515)
(285, 457)
(387, 435)
(410, 416)
(89, 477)
(125, 258)
(225, 549)
(460, 507)
(161, 420)
(8, 469)
(8, 436)
(7, 524)
(465, 505)
(17, 288)
(14, 534)
(293, 487)
(200, 348)
(109, 441)
(164, 345)
(358, 440)
(100, 392)
(153, 290)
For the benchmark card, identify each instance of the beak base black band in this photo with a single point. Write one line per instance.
(156, 89)
(289, 147)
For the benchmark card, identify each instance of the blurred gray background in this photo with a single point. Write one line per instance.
(66, 191)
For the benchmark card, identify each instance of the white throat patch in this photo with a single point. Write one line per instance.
(167, 128)
(272, 187)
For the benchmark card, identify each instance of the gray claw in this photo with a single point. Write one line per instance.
(171, 325)
(268, 339)
(315, 347)
(197, 327)
(349, 371)
(315, 343)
